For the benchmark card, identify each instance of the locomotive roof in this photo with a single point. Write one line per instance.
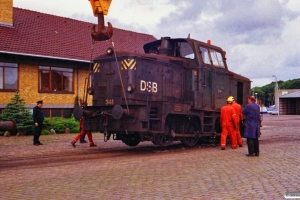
(157, 43)
(148, 46)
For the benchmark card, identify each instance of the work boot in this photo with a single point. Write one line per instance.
(73, 144)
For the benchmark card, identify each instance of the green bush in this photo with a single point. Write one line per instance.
(72, 123)
(47, 123)
(74, 130)
(45, 132)
(60, 124)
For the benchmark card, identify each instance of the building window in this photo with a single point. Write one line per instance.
(46, 112)
(56, 112)
(68, 112)
(55, 79)
(8, 76)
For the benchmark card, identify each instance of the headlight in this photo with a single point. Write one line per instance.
(130, 88)
(109, 51)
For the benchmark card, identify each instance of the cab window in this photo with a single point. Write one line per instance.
(216, 58)
(205, 55)
(212, 57)
(186, 50)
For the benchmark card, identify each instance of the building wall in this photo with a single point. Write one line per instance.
(82, 75)
(6, 11)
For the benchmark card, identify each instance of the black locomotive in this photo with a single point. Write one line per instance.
(173, 92)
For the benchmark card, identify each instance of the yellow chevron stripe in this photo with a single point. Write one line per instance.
(96, 67)
(133, 65)
(124, 66)
(128, 64)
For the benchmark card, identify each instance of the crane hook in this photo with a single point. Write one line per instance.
(102, 33)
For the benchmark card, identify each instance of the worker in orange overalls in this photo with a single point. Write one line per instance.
(228, 124)
(238, 111)
(82, 132)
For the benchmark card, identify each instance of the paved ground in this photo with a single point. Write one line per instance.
(112, 170)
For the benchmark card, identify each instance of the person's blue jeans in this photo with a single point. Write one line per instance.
(82, 138)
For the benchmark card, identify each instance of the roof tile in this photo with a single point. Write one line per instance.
(47, 35)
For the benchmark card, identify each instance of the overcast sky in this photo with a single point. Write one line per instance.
(261, 37)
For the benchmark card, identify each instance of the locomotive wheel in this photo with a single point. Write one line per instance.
(131, 140)
(163, 140)
(190, 127)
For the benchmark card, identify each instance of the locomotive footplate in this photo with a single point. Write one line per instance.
(186, 135)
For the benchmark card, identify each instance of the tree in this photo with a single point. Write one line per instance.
(291, 84)
(17, 110)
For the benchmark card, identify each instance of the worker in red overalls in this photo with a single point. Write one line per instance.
(238, 111)
(82, 132)
(228, 124)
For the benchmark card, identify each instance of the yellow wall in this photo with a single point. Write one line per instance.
(28, 87)
(83, 73)
(6, 11)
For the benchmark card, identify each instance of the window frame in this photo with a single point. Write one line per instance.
(185, 47)
(212, 55)
(52, 70)
(3, 66)
(48, 112)
(205, 57)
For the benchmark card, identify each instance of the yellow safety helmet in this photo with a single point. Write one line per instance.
(230, 99)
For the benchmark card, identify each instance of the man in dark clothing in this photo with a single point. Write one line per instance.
(252, 126)
(38, 119)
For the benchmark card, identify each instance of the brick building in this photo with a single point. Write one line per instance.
(48, 57)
